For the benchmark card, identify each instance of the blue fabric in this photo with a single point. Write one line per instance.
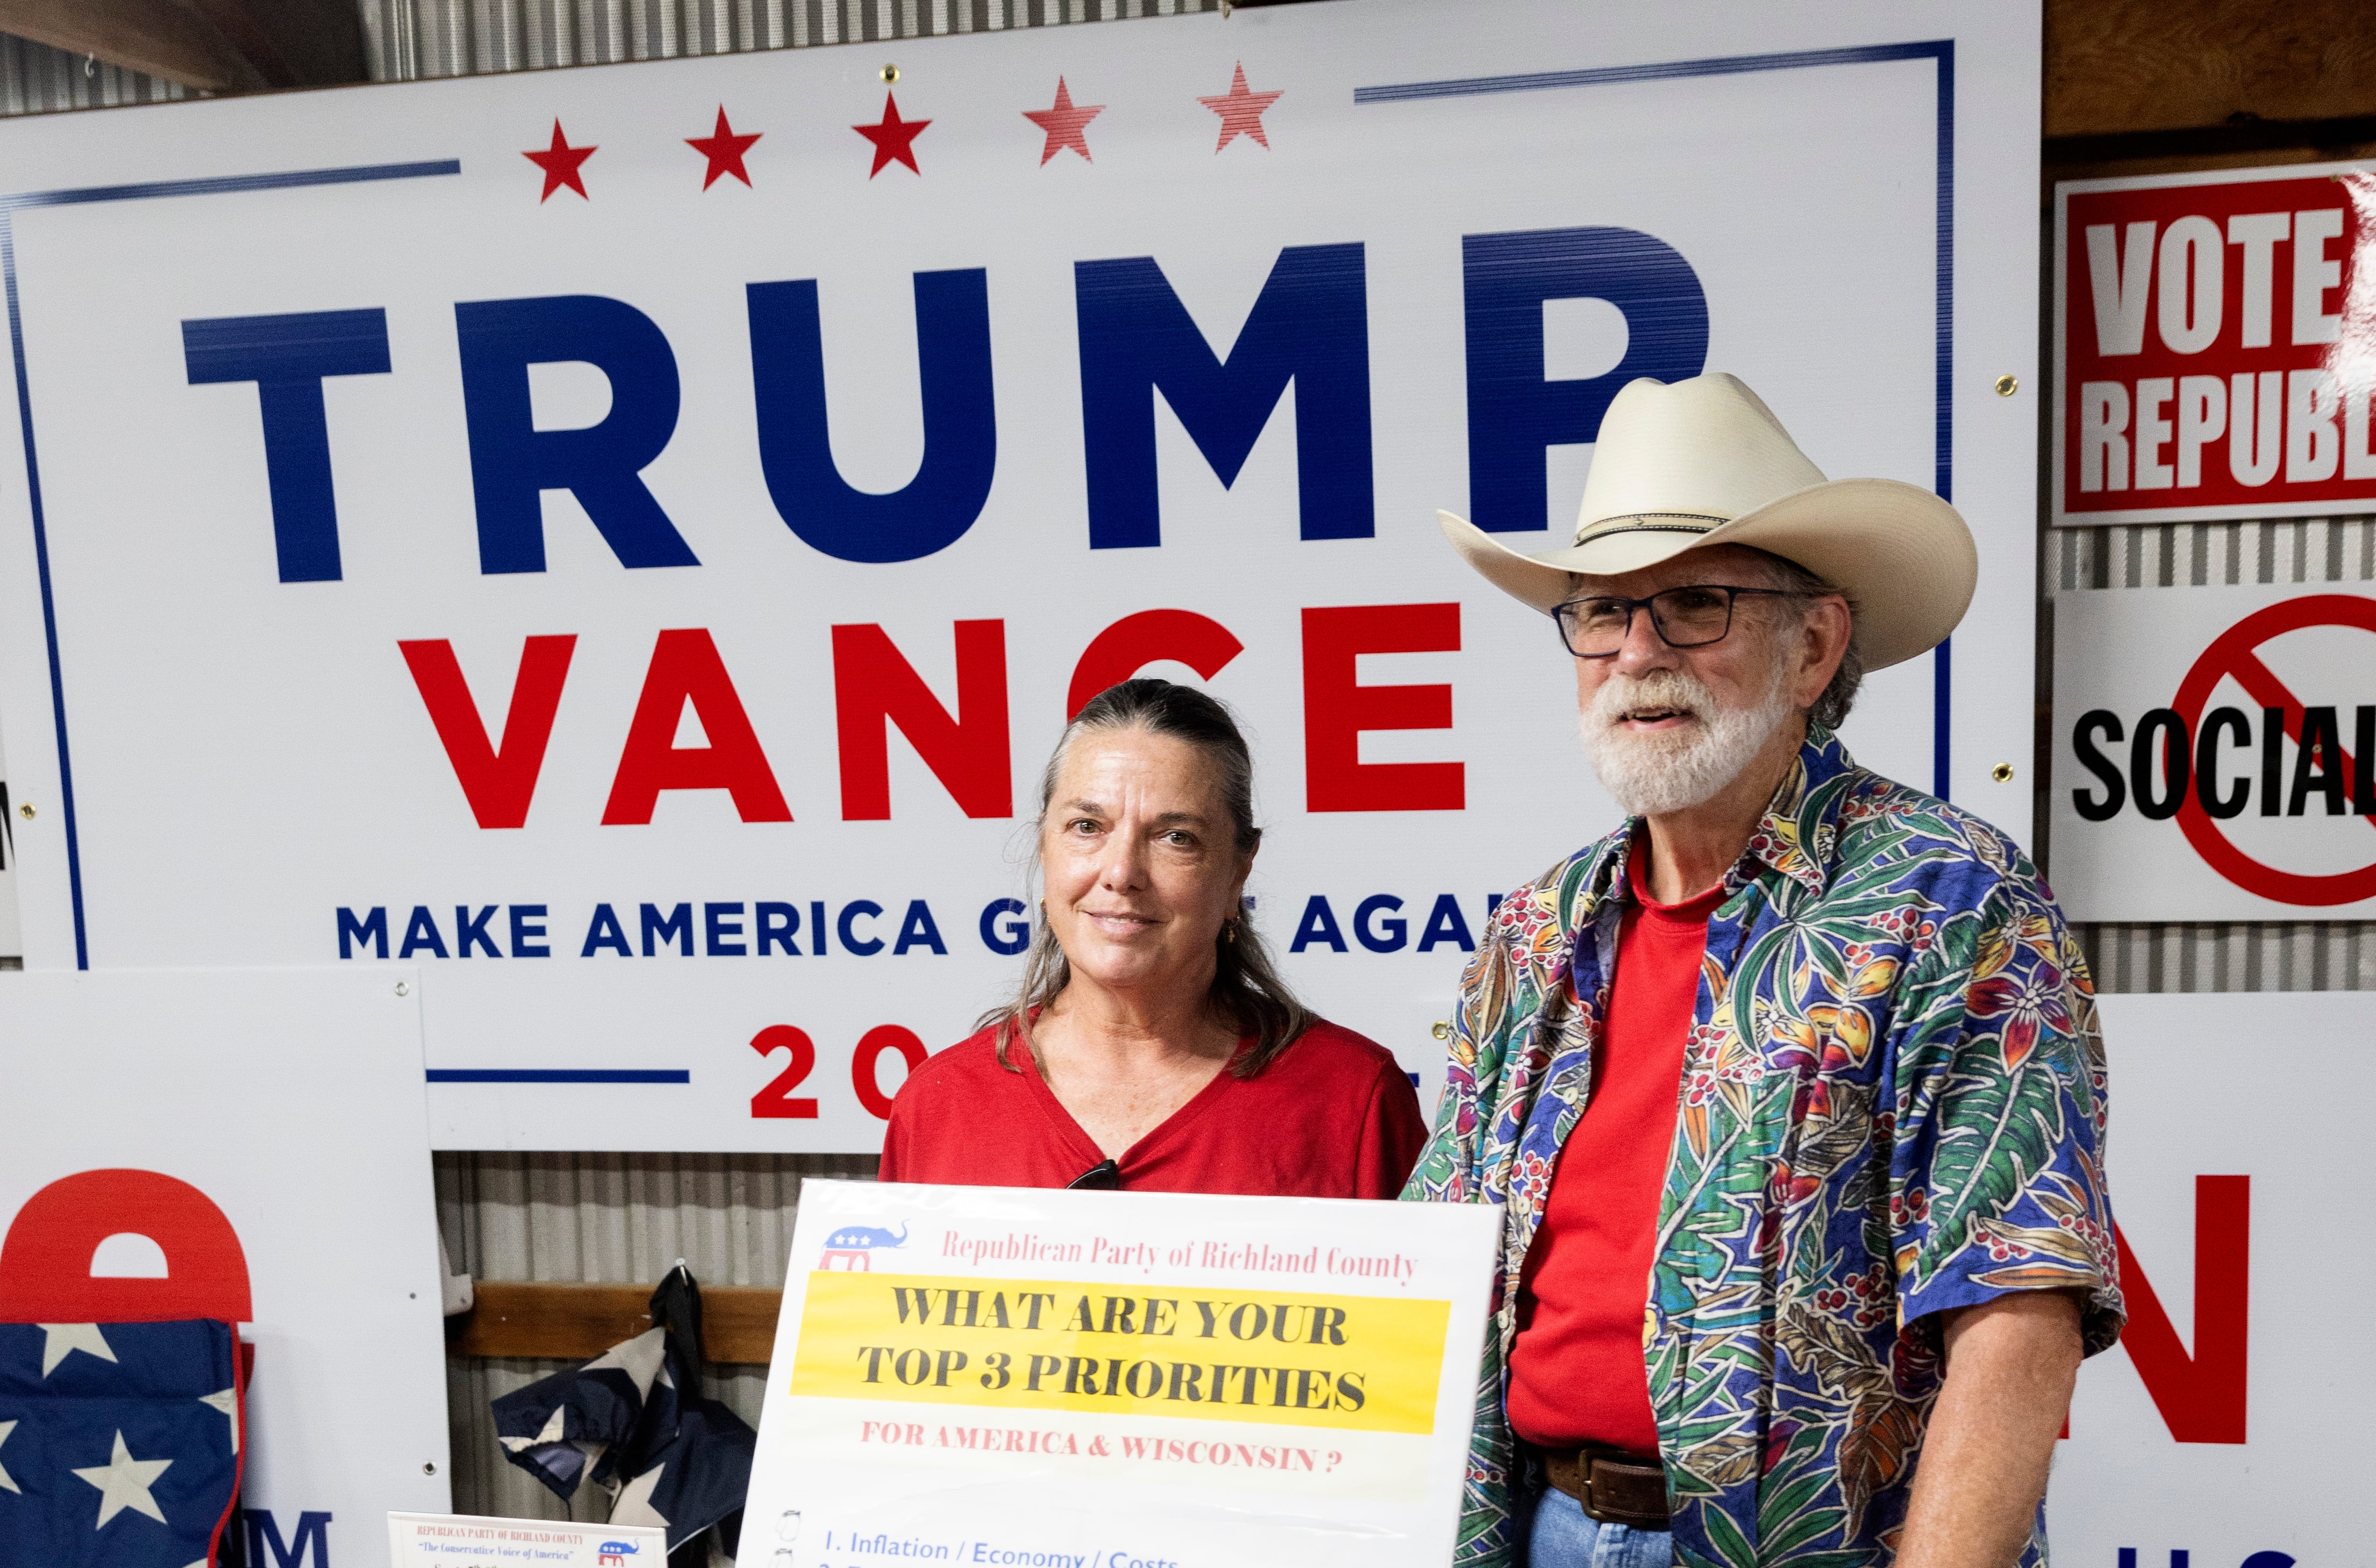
(1564, 1536)
(633, 1420)
(118, 1443)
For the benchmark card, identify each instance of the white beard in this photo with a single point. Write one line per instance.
(1653, 775)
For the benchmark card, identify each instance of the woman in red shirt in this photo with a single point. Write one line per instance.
(1152, 1046)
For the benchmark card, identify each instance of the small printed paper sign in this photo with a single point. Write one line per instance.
(459, 1540)
(1005, 1376)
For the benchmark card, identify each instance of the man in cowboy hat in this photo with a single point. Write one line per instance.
(1790, 1088)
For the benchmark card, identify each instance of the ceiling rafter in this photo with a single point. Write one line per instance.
(216, 46)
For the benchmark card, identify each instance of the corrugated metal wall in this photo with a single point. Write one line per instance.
(625, 1218)
(605, 1219)
(451, 37)
(36, 79)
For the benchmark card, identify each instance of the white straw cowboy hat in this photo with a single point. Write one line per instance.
(1705, 462)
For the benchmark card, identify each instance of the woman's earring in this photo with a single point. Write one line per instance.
(1229, 930)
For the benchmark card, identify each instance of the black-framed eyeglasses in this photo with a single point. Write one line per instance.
(1690, 616)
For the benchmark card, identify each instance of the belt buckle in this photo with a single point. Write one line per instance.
(1606, 1510)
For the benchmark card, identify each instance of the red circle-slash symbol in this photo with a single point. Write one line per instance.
(2233, 653)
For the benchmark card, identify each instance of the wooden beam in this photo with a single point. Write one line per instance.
(293, 42)
(215, 45)
(159, 37)
(580, 1321)
(2116, 67)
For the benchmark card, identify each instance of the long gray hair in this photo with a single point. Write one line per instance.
(1247, 989)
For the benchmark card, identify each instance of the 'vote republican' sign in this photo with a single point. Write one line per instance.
(2215, 346)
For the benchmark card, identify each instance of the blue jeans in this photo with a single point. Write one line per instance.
(1564, 1535)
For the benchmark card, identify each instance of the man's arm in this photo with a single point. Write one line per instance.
(2011, 1364)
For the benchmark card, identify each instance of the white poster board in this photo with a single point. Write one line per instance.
(2237, 1122)
(248, 1146)
(2215, 752)
(687, 758)
(463, 1540)
(11, 945)
(1142, 1377)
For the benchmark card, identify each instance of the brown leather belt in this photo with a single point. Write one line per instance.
(1613, 1486)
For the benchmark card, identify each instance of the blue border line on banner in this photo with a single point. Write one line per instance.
(559, 1076)
(9, 203)
(1942, 50)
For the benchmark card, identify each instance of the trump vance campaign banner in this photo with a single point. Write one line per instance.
(624, 540)
(1000, 1376)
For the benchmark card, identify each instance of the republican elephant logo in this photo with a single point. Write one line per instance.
(852, 1247)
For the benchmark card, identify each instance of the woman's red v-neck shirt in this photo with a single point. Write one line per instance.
(1331, 1117)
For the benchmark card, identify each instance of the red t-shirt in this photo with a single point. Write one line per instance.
(1576, 1373)
(1331, 1117)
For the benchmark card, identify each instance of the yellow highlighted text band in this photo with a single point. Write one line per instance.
(1361, 1363)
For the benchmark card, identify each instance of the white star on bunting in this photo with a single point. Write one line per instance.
(124, 1482)
(634, 1504)
(552, 1432)
(6, 1480)
(644, 1356)
(65, 1338)
(228, 1403)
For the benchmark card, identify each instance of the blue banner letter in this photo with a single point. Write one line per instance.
(1514, 411)
(602, 464)
(931, 511)
(287, 356)
(1310, 325)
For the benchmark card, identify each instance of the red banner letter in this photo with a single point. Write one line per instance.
(868, 1058)
(1336, 710)
(45, 1261)
(498, 781)
(2199, 1396)
(1133, 642)
(875, 687)
(685, 668)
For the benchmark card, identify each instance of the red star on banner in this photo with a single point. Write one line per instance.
(559, 162)
(1065, 125)
(724, 150)
(1241, 111)
(893, 139)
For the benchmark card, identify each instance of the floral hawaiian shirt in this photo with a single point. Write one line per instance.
(1892, 1105)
